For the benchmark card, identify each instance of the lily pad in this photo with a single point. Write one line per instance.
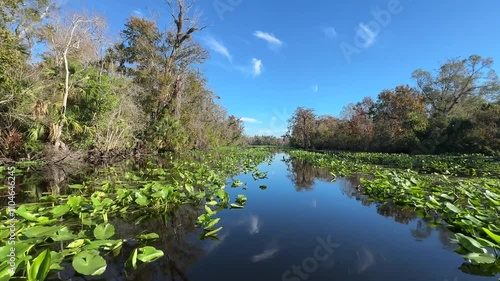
(149, 254)
(104, 231)
(89, 263)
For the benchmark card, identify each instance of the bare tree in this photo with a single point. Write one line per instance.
(78, 38)
(184, 52)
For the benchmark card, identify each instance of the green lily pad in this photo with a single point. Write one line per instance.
(89, 263)
(481, 257)
(149, 254)
(104, 231)
(470, 244)
(149, 236)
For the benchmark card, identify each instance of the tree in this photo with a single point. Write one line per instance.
(452, 96)
(13, 59)
(327, 132)
(163, 63)
(76, 39)
(301, 127)
(183, 51)
(26, 18)
(484, 135)
(457, 82)
(162, 58)
(395, 115)
(360, 126)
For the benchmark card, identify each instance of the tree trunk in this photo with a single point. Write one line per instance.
(58, 129)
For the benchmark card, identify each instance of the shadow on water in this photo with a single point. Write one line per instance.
(278, 233)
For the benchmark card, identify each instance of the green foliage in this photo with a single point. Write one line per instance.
(76, 228)
(144, 93)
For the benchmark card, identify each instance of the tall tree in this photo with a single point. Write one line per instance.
(396, 114)
(360, 126)
(456, 82)
(326, 132)
(163, 58)
(452, 95)
(301, 127)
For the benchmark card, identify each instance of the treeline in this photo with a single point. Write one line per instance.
(64, 84)
(454, 110)
(266, 140)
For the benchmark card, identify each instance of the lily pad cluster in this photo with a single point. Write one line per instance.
(76, 230)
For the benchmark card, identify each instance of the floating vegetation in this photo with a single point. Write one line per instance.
(76, 230)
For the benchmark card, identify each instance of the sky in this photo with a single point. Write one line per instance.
(268, 57)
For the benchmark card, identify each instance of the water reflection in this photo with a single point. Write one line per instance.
(278, 231)
(304, 176)
(365, 260)
(269, 251)
(253, 225)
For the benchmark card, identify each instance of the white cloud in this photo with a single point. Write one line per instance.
(266, 254)
(256, 67)
(138, 13)
(270, 38)
(330, 32)
(254, 225)
(367, 34)
(219, 48)
(250, 120)
(315, 88)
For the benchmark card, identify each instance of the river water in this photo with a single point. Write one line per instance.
(302, 226)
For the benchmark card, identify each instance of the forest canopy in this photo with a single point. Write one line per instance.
(85, 91)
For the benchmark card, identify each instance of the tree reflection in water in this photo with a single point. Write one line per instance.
(304, 175)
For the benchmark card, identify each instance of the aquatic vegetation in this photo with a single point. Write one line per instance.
(436, 189)
(472, 165)
(76, 229)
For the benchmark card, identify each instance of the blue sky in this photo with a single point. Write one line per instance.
(269, 57)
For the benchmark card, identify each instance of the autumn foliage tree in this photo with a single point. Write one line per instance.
(397, 114)
(301, 127)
